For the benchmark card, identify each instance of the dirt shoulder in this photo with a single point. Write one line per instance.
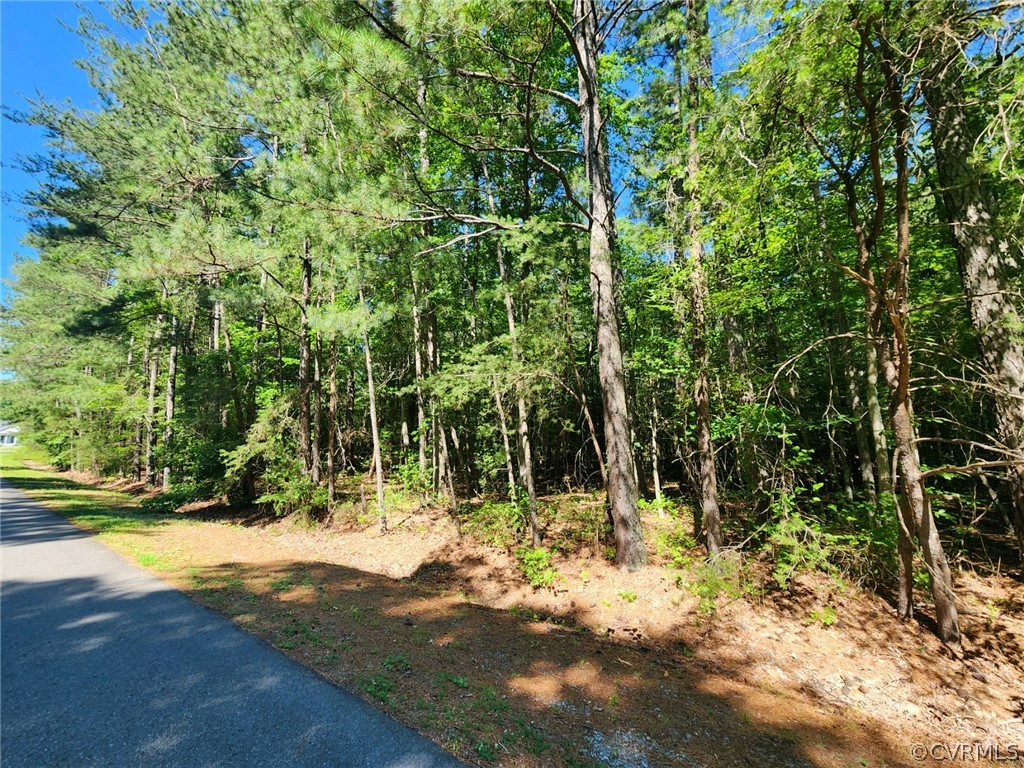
(600, 669)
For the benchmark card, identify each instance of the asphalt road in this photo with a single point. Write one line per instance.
(102, 664)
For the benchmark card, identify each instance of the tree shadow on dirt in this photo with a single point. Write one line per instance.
(532, 689)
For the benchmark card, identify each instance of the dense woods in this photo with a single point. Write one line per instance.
(765, 257)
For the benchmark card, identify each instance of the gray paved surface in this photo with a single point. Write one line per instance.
(105, 665)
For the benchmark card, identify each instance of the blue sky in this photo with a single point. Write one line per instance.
(37, 56)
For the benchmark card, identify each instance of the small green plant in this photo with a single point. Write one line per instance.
(448, 677)
(849, 542)
(282, 584)
(718, 576)
(485, 750)
(629, 596)
(379, 687)
(396, 662)
(412, 477)
(151, 560)
(489, 703)
(536, 743)
(676, 546)
(535, 562)
(827, 616)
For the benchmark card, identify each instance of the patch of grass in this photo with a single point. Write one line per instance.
(105, 513)
(281, 584)
(535, 741)
(154, 561)
(711, 579)
(490, 704)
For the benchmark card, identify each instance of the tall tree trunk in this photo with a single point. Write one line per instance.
(316, 438)
(418, 367)
(154, 370)
(332, 421)
(305, 387)
(630, 551)
(851, 375)
(236, 390)
(698, 78)
(505, 443)
(580, 393)
(523, 426)
(990, 265)
(371, 390)
(172, 376)
(655, 453)
(875, 418)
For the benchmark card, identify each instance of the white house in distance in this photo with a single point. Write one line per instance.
(9, 433)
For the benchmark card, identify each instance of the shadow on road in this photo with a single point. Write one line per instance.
(105, 665)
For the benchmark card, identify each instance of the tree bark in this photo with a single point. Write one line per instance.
(914, 496)
(505, 443)
(172, 376)
(332, 422)
(316, 438)
(655, 453)
(371, 390)
(419, 367)
(698, 76)
(154, 370)
(630, 551)
(305, 385)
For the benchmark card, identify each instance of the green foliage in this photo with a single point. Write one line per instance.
(177, 496)
(269, 454)
(485, 750)
(495, 523)
(676, 544)
(413, 478)
(711, 579)
(826, 616)
(396, 662)
(379, 687)
(535, 563)
(277, 227)
(851, 543)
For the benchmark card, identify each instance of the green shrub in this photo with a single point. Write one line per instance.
(848, 543)
(535, 563)
(722, 575)
(495, 523)
(413, 478)
(177, 496)
(676, 545)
